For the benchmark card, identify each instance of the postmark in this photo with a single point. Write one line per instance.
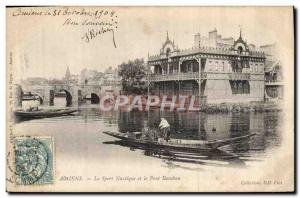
(33, 160)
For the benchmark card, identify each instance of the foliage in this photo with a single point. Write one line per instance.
(134, 76)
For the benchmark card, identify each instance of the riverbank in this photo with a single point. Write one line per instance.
(258, 107)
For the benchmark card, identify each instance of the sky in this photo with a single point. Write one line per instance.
(44, 47)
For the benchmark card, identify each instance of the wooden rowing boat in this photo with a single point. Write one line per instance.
(177, 144)
(43, 113)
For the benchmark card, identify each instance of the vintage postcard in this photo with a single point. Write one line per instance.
(150, 99)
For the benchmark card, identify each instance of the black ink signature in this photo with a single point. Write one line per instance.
(93, 33)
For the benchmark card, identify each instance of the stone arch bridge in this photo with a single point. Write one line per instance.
(74, 94)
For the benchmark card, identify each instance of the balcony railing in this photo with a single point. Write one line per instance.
(274, 82)
(204, 75)
(177, 76)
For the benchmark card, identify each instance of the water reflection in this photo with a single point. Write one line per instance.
(195, 125)
(208, 158)
(184, 125)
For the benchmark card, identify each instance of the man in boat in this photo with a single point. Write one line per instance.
(164, 126)
(31, 109)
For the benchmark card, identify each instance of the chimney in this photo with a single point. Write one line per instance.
(213, 34)
(197, 40)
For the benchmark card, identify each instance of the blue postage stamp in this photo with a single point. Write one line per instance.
(34, 160)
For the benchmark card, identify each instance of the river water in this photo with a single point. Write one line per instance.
(79, 138)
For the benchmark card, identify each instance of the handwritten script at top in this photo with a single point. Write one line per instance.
(97, 22)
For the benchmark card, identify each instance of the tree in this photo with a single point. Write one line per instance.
(134, 76)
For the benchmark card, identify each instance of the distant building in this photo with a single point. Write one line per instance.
(109, 80)
(219, 69)
(55, 81)
(70, 79)
(74, 79)
(271, 51)
(274, 89)
(35, 81)
(90, 77)
(67, 75)
(111, 83)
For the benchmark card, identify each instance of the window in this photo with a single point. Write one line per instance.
(216, 65)
(168, 52)
(223, 66)
(234, 90)
(240, 87)
(246, 87)
(190, 67)
(240, 50)
(256, 67)
(210, 65)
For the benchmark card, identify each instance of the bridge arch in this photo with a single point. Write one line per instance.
(95, 99)
(31, 93)
(69, 97)
(41, 98)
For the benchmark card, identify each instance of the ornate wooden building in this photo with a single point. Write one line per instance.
(226, 70)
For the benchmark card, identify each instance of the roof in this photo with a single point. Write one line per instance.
(208, 50)
(270, 65)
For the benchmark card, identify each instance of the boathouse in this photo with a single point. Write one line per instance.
(220, 69)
